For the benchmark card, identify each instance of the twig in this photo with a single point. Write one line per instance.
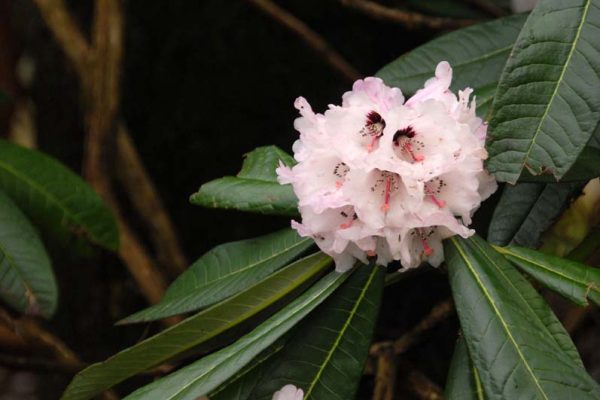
(146, 200)
(66, 32)
(409, 19)
(310, 37)
(437, 314)
(419, 384)
(98, 68)
(385, 377)
(35, 336)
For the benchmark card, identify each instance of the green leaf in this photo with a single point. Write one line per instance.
(548, 105)
(326, 356)
(574, 280)
(477, 55)
(224, 271)
(586, 167)
(241, 385)
(56, 200)
(205, 375)
(463, 381)
(197, 329)
(27, 282)
(255, 189)
(527, 210)
(510, 331)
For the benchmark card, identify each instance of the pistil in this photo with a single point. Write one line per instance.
(386, 196)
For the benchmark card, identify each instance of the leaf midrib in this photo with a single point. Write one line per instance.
(66, 212)
(510, 282)
(499, 315)
(253, 265)
(13, 265)
(558, 84)
(341, 333)
(308, 303)
(530, 261)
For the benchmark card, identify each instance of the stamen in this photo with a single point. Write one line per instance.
(438, 202)
(348, 224)
(426, 249)
(388, 187)
(371, 253)
(374, 127)
(408, 148)
(402, 138)
(434, 188)
(371, 145)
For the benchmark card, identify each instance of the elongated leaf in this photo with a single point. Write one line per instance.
(26, 279)
(512, 347)
(195, 330)
(54, 198)
(463, 381)
(241, 385)
(327, 355)
(205, 375)
(574, 280)
(476, 53)
(255, 189)
(586, 167)
(547, 105)
(224, 271)
(526, 210)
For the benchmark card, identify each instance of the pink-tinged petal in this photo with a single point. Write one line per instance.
(284, 174)
(372, 92)
(435, 88)
(379, 178)
(288, 392)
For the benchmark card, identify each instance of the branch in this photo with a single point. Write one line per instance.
(66, 32)
(437, 314)
(420, 385)
(409, 19)
(385, 377)
(98, 68)
(147, 203)
(29, 331)
(310, 37)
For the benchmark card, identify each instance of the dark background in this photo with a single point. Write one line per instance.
(203, 83)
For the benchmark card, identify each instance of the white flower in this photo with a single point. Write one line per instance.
(288, 392)
(378, 176)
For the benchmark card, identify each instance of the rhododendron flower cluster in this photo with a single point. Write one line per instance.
(288, 392)
(383, 177)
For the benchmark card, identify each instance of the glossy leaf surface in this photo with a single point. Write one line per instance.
(508, 330)
(326, 357)
(205, 375)
(196, 330)
(463, 381)
(224, 271)
(547, 105)
(27, 282)
(477, 55)
(56, 200)
(577, 282)
(255, 189)
(526, 210)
